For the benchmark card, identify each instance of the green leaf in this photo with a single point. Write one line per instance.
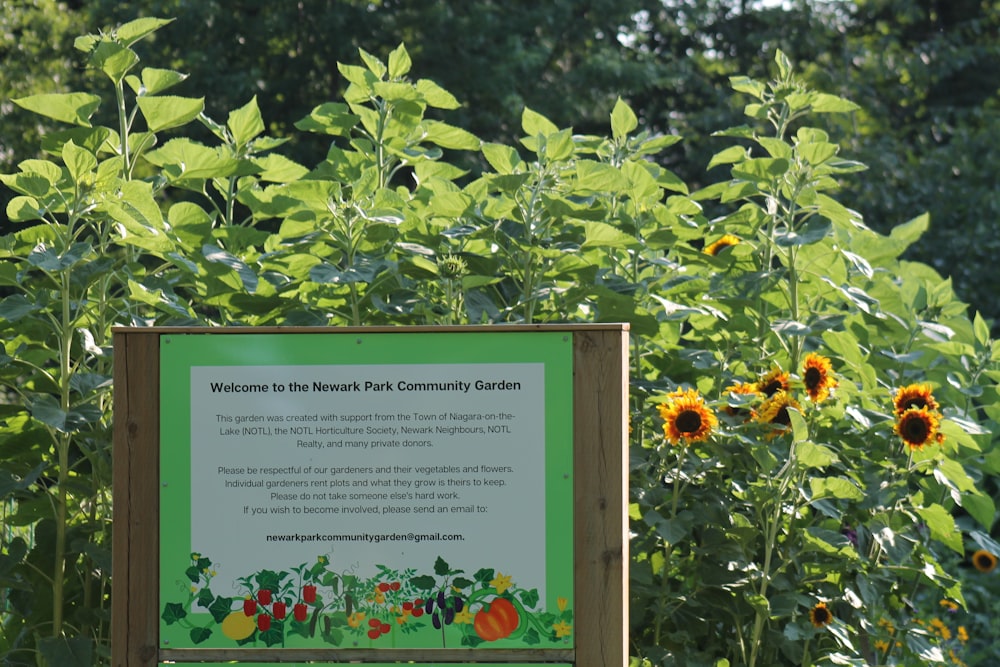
(79, 161)
(399, 62)
(218, 255)
(441, 567)
(623, 119)
(74, 108)
(503, 158)
(424, 582)
(168, 111)
(330, 118)
(534, 124)
(436, 96)
(826, 103)
(743, 84)
(373, 64)
(761, 170)
(981, 507)
(942, 526)
(603, 235)
(449, 136)
(246, 122)
(834, 487)
(812, 455)
(277, 168)
(131, 32)
(22, 209)
(154, 81)
(113, 59)
(730, 155)
(16, 306)
(198, 635)
(592, 176)
(184, 160)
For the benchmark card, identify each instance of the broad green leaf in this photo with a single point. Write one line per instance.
(74, 108)
(113, 59)
(277, 168)
(330, 118)
(599, 177)
(449, 136)
(834, 487)
(154, 81)
(216, 254)
(730, 155)
(826, 103)
(503, 158)
(140, 217)
(168, 111)
(436, 96)
(16, 306)
(981, 507)
(761, 170)
(603, 235)
(559, 145)
(743, 84)
(246, 122)
(534, 124)
(942, 526)
(375, 66)
(399, 62)
(79, 161)
(623, 119)
(776, 148)
(183, 159)
(131, 32)
(812, 455)
(397, 93)
(22, 209)
(450, 204)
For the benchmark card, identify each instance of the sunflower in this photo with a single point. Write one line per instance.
(775, 410)
(717, 246)
(984, 561)
(914, 396)
(774, 381)
(737, 406)
(918, 427)
(817, 374)
(819, 615)
(686, 417)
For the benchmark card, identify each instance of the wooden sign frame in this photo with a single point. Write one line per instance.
(600, 529)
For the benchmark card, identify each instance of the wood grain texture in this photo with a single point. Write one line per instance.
(135, 480)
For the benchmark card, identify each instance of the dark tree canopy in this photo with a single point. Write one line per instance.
(926, 73)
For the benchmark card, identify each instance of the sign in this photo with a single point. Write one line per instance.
(377, 490)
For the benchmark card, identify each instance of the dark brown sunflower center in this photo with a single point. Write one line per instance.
(813, 378)
(688, 421)
(915, 429)
(915, 402)
(781, 417)
(771, 387)
(985, 562)
(821, 616)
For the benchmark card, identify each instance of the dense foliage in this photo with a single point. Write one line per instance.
(812, 459)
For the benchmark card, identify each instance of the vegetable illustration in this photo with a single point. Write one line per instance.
(497, 621)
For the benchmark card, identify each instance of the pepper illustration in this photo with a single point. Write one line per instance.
(497, 621)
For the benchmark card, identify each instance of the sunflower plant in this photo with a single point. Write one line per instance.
(816, 463)
(813, 467)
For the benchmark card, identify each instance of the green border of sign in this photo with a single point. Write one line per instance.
(180, 352)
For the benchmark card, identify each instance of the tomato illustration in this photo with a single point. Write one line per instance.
(264, 597)
(279, 610)
(263, 622)
(497, 621)
(300, 612)
(309, 593)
